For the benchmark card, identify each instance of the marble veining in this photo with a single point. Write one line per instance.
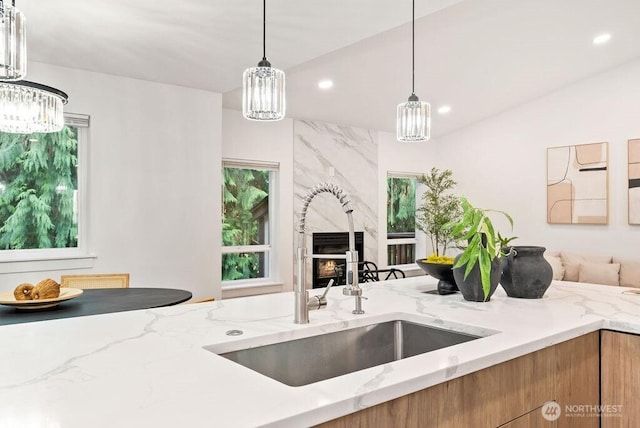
(140, 368)
(453, 367)
(345, 156)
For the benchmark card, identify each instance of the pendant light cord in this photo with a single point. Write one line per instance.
(264, 30)
(413, 48)
(264, 62)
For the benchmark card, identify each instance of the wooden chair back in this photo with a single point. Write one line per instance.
(201, 300)
(103, 280)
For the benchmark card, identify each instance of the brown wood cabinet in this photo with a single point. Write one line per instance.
(533, 419)
(620, 379)
(509, 394)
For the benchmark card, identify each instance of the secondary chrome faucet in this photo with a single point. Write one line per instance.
(302, 302)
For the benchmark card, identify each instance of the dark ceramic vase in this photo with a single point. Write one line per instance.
(441, 272)
(526, 273)
(471, 287)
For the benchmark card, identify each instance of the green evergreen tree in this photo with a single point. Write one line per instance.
(243, 190)
(38, 178)
(401, 205)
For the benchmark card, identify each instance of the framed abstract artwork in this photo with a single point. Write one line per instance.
(634, 181)
(578, 184)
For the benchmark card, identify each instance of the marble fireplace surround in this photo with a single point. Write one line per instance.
(345, 156)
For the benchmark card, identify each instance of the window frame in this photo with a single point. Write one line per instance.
(42, 259)
(270, 248)
(404, 241)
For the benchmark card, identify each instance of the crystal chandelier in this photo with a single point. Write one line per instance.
(28, 107)
(414, 117)
(13, 42)
(263, 86)
(25, 107)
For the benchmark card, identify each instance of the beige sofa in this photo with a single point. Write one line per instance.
(607, 270)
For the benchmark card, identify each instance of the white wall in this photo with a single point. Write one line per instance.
(501, 162)
(273, 142)
(154, 189)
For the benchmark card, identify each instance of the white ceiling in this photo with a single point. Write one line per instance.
(479, 56)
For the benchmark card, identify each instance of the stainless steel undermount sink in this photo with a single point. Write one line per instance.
(311, 359)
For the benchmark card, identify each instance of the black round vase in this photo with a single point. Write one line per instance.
(471, 287)
(526, 273)
(442, 272)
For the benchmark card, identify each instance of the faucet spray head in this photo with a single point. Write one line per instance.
(316, 190)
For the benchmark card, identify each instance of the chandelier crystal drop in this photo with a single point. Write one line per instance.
(13, 43)
(28, 107)
(413, 122)
(263, 87)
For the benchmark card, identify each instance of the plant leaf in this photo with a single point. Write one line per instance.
(485, 273)
(462, 260)
(473, 259)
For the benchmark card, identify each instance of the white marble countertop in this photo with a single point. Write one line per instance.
(149, 369)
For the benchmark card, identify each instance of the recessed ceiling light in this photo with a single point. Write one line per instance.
(325, 84)
(444, 109)
(601, 39)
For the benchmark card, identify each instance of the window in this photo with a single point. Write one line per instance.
(41, 192)
(401, 218)
(247, 222)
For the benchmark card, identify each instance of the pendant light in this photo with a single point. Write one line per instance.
(28, 107)
(25, 107)
(13, 42)
(263, 86)
(414, 117)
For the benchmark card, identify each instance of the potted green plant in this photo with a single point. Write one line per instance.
(438, 208)
(477, 269)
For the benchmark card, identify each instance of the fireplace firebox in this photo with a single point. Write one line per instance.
(333, 243)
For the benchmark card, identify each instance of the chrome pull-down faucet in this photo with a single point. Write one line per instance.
(302, 302)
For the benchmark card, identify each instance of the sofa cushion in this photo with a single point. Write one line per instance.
(553, 257)
(599, 273)
(629, 272)
(571, 262)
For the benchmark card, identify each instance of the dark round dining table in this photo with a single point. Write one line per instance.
(98, 301)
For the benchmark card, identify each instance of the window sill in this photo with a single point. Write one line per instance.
(47, 262)
(407, 267)
(242, 284)
(251, 289)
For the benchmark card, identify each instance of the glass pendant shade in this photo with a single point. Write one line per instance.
(13, 43)
(28, 107)
(414, 121)
(263, 93)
